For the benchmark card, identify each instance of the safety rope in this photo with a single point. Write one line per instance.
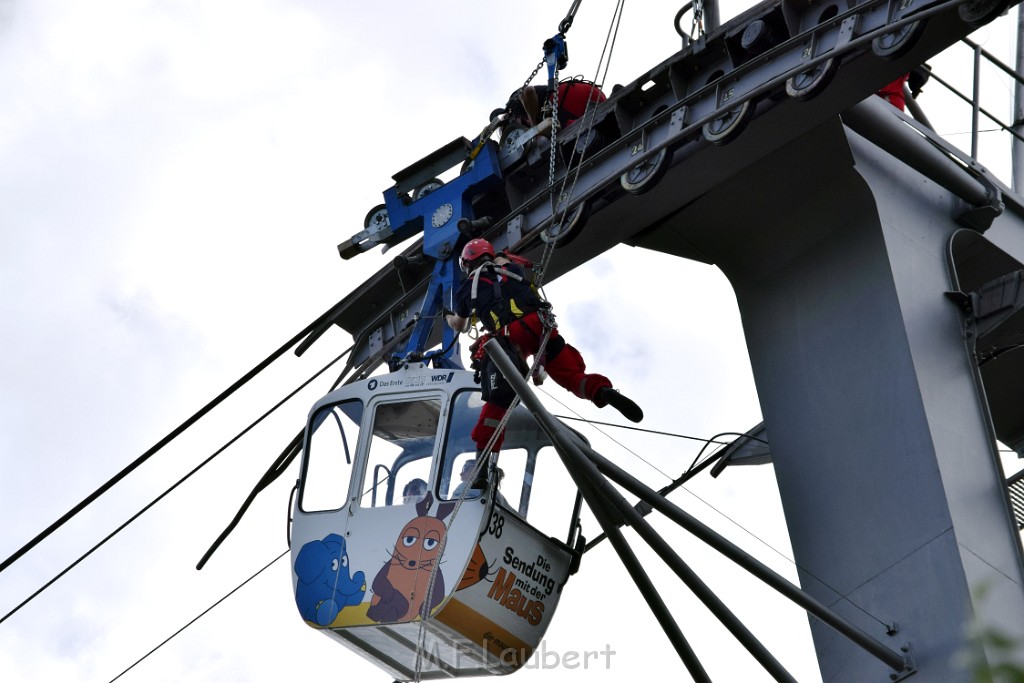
(588, 118)
(587, 123)
(483, 459)
(589, 115)
(587, 126)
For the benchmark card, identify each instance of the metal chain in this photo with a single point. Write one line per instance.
(549, 328)
(554, 138)
(549, 247)
(536, 70)
(518, 94)
(554, 141)
(588, 119)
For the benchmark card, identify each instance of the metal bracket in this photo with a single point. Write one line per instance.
(847, 29)
(980, 217)
(645, 142)
(514, 230)
(994, 315)
(911, 664)
(677, 124)
(375, 342)
(1005, 293)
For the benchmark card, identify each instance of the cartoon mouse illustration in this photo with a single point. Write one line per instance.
(324, 586)
(400, 587)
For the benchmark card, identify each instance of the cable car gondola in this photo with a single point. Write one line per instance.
(435, 582)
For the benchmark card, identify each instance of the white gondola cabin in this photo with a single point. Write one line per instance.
(392, 558)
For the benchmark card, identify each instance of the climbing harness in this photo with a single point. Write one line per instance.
(511, 310)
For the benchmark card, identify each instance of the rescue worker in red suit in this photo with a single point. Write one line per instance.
(525, 107)
(893, 92)
(496, 292)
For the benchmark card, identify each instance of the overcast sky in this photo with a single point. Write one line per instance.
(175, 179)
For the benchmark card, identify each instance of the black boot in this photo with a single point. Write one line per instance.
(630, 410)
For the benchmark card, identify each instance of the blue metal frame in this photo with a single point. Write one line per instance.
(438, 215)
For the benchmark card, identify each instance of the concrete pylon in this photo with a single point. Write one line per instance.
(880, 432)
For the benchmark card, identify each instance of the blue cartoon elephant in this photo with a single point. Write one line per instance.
(325, 587)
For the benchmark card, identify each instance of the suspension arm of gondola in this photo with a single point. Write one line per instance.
(657, 605)
(710, 600)
(634, 516)
(644, 508)
(587, 476)
(293, 448)
(812, 605)
(600, 497)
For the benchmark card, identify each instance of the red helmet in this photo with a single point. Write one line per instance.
(474, 249)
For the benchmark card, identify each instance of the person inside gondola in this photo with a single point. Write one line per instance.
(477, 486)
(496, 293)
(414, 491)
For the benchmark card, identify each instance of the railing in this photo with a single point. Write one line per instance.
(1005, 160)
(1002, 152)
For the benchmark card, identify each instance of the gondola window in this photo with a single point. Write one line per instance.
(399, 450)
(330, 445)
